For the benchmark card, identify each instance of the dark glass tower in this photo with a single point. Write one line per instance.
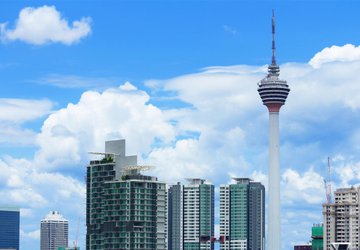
(9, 228)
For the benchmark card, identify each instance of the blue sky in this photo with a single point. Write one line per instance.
(177, 79)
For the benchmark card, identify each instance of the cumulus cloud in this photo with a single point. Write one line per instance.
(43, 25)
(122, 112)
(346, 53)
(306, 187)
(346, 172)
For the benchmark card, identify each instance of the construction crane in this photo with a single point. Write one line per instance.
(327, 183)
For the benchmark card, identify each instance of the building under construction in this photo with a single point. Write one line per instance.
(342, 220)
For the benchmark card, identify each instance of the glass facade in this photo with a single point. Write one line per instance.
(242, 215)
(191, 216)
(124, 209)
(9, 228)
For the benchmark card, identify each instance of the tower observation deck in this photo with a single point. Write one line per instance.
(273, 91)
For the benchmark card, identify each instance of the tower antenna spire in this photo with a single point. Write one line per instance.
(273, 61)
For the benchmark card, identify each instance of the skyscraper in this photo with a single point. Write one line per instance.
(242, 215)
(9, 228)
(273, 93)
(341, 219)
(54, 230)
(124, 209)
(175, 217)
(191, 216)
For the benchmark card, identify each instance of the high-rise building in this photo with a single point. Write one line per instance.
(191, 216)
(273, 93)
(9, 228)
(54, 230)
(124, 209)
(175, 217)
(242, 215)
(341, 219)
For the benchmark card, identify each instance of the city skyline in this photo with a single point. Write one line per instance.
(181, 88)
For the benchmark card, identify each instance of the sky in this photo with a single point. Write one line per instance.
(177, 80)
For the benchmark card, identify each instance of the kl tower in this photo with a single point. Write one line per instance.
(273, 93)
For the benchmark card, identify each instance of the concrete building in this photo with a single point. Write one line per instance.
(54, 230)
(273, 93)
(9, 228)
(242, 215)
(124, 209)
(341, 219)
(191, 216)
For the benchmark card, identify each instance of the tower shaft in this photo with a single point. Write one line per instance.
(274, 235)
(273, 92)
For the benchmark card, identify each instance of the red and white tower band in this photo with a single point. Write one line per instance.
(273, 93)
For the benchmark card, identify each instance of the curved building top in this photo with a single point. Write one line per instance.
(273, 91)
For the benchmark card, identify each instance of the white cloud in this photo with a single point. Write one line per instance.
(14, 113)
(35, 235)
(184, 160)
(121, 112)
(306, 187)
(12, 134)
(348, 173)
(21, 110)
(73, 81)
(346, 53)
(230, 30)
(45, 25)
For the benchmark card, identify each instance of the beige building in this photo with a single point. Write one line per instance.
(342, 218)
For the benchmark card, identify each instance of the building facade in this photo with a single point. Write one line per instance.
(124, 209)
(317, 236)
(175, 217)
(242, 215)
(191, 216)
(54, 231)
(9, 228)
(341, 219)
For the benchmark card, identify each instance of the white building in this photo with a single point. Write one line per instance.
(53, 231)
(342, 219)
(191, 216)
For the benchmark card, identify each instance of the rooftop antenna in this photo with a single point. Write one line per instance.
(273, 61)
